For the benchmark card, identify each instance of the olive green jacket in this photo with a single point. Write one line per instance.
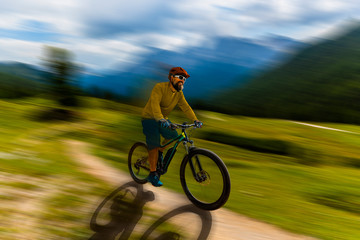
(163, 100)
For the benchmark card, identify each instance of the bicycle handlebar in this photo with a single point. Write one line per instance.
(184, 125)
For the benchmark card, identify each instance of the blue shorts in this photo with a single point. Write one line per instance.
(153, 130)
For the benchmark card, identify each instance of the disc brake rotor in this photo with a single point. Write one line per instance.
(203, 177)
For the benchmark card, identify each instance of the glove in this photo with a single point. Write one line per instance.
(164, 123)
(198, 124)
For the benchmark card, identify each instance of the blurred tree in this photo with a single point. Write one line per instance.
(61, 70)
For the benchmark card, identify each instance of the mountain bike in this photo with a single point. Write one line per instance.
(203, 175)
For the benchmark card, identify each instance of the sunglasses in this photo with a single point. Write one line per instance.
(181, 77)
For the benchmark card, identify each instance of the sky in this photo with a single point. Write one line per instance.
(112, 34)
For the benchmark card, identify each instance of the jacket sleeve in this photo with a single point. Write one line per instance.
(155, 99)
(185, 107)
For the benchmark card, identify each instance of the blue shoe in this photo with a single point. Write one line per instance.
(154, 179)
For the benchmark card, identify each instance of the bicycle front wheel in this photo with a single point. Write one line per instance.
(205, 179)
(138, 163)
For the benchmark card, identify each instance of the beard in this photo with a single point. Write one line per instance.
(178, 86)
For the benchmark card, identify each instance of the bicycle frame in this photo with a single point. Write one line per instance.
(166, 162)
(179, 139)
(183, 137)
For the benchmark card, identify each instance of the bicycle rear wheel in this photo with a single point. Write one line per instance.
(138, 163)
(205, 179)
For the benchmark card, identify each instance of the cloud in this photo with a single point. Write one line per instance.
(111, 18)
(123, 17)
(20, 50)
(102, 33)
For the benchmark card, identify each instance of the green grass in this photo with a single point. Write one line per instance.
(310, 187)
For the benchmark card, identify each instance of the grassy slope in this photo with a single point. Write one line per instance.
(321, 200)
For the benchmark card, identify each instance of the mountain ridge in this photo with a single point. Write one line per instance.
(211, 69)
(320, 83)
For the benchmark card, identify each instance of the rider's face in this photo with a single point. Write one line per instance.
(177, 83)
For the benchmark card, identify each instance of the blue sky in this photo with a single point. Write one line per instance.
(114, 33)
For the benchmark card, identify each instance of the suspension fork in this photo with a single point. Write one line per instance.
(193, 162)
(196, 175)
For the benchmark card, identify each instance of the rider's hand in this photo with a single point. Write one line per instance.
(198, 124)
(164, 123)
(173, 126)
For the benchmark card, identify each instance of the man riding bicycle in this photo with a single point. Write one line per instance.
(163, 99)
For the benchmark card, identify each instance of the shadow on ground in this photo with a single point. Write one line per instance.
(119, 215)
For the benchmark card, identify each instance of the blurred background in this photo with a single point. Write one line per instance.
(276, 84)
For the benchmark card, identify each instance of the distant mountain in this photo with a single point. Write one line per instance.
(227, 63)
(320, 83)
(22, 70)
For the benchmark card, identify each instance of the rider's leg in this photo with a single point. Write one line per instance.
(168, 135)
(153, 177)
(151, 129)
(153, 158)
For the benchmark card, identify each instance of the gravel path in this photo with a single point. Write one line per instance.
(225, 224)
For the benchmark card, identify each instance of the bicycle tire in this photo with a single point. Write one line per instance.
(138, 162)
(212, 167)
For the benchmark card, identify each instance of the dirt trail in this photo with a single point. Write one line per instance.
(225, 225)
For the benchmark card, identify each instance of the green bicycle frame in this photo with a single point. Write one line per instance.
(180, 138)
(166, 162)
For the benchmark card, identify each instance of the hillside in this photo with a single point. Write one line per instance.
(12, 86)
(321, 83)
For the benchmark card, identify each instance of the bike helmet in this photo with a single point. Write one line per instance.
(178, 71)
